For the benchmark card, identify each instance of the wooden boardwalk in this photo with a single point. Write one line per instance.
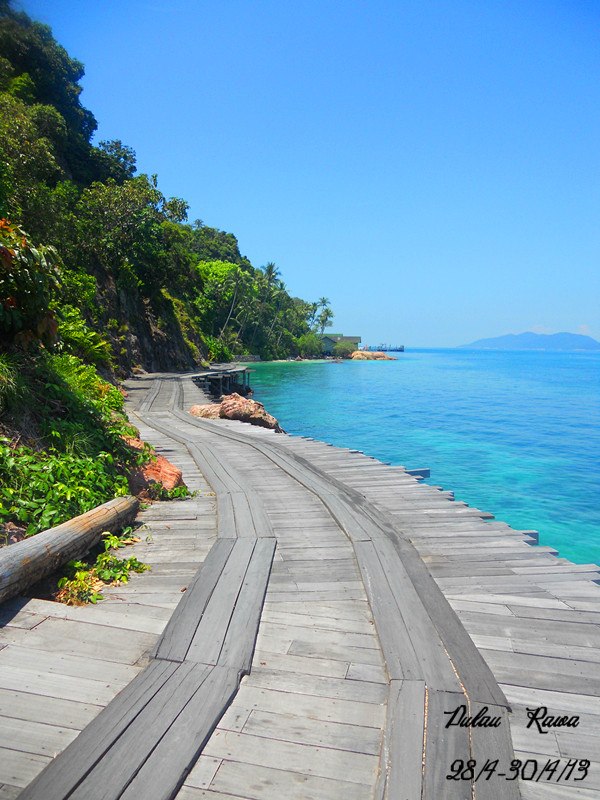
(342, 611)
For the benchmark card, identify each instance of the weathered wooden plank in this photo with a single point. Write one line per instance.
(67, 771)
(262, 523)
(437, 669)
(36, 708)
(225, 516)
(310, 666)
(356, 625)
(401, 769)
(302, 759)
(177, 636)
(318, 686)
(83, 639)
(442, 747)
(167, 765)
(239, 642)
(489, 744)
(542, 663)
(19, 658)
(550, 791)
(150, 396)
(323, 649)
(367, 672)
(34, 737)
(401, 659)
(254, 782)
(129, 616)
(19, 616)
(350, 712)
(303, 730)
(314, 633)
(18, 769)
(65, 687)
(207, 640)
(8, 792)
(110, 775)
(203, 771)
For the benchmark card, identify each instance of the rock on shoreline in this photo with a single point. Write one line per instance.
(233, 406)
(369, 355)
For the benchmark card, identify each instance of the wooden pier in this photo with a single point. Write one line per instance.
(312, 622)
(223, 379)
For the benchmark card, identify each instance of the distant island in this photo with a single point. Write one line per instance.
(536, 341)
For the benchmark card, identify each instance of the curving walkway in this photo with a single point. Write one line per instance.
(342, 612)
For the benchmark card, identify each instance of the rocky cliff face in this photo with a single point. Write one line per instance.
(145, 334)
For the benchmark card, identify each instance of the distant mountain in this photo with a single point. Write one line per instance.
(537, 341)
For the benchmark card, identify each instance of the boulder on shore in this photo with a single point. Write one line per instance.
(371, 355)
(234, 406)
(159, 471)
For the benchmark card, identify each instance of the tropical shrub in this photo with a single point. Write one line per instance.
(343, 349)
(310, 345)
(29, 279)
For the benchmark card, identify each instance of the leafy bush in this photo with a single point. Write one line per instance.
(156, 491)
(8, 380)
(28, 280)
(41, 490)
(77, 338)
(83, 581)
(217, 350)
(343, 349)
(78, 459)
(310, 345)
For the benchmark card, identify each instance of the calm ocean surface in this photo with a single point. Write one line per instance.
(514, 433)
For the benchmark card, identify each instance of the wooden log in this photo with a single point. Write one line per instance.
(29, 561)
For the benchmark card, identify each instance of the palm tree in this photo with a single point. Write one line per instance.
(324, 319)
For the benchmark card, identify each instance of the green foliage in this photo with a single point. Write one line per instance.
(29, 158)
(310, 345)
(22, 87)
(126, 251)
(28, 281)
(211, 244)
(76, 337)
(79, 586)
(218, 350)
(116, 159)
(343, 349)
(8, 381)
(83, 581)
(76, 421)
(52, 80)
(111, 569)
(158, 492)
(41, 491)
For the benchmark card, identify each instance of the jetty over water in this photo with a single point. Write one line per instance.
(384, 348)
(315, 626)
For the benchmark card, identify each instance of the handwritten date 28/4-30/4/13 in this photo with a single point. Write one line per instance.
(553, 770)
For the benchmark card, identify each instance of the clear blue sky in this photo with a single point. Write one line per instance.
(431, 167)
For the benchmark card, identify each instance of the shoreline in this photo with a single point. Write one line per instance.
(496, 446)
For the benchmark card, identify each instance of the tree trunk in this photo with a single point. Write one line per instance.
(27, 562)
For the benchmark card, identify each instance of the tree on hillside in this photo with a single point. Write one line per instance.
(134, 273)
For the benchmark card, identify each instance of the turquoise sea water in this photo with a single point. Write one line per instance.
(514, 433)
